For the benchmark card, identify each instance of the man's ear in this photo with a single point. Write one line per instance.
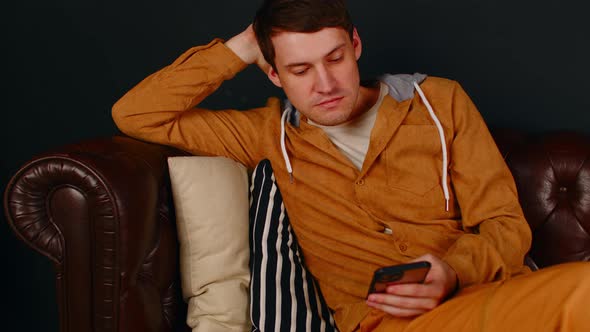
(273, 76)
(357, 44)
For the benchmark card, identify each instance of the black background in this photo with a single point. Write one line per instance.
(65, 62)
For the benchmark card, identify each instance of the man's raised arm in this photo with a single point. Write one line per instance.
(162, 108)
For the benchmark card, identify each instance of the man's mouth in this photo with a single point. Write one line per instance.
(330, 102)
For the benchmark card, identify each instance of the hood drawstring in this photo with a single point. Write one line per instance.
(284, 117)
(441, 134)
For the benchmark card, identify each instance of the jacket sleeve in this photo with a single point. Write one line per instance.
(162, 108)
(497, 235)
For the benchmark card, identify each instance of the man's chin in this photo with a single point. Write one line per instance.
(327, 120)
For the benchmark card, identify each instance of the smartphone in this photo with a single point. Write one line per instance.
(398, 274)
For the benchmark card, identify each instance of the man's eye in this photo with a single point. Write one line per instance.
(336, 59)
(300, 72)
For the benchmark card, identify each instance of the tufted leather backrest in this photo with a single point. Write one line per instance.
(552, 174)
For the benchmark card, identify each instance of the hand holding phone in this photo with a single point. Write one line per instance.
(398, 274)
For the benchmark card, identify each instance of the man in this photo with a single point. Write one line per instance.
(372, 175)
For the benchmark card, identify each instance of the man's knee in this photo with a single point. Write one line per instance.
(570, 279)
(572, 271)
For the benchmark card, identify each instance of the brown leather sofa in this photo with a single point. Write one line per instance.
(101, 211)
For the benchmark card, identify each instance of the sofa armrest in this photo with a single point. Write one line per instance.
(101, 210)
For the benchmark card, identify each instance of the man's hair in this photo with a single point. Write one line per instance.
(276, 16)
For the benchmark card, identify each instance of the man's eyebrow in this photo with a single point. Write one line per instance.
(297, 64)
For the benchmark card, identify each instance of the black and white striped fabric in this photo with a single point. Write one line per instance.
(283, 295)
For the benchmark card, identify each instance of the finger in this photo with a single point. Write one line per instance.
(404, 302)
(425, 258)
(394, 311)
(415, 290)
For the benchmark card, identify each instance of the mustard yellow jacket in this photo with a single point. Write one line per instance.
(338, 212)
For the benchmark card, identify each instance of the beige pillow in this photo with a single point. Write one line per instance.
(211, 202)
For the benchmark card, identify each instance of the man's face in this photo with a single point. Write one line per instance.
(319, 73)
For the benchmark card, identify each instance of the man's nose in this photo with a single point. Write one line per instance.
(325, 81)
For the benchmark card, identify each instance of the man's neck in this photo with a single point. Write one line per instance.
(368, 96)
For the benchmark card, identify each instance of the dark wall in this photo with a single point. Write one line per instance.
(66, 62)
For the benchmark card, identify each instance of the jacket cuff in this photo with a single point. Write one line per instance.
(217, 57)
(475, 261)
(464, 270)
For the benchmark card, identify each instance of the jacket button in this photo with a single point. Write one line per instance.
(403, 247)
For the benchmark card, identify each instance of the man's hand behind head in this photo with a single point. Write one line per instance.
(246, 47)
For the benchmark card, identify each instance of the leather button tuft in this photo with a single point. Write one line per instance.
(360, 182)
(563, 189)
(403, 247)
